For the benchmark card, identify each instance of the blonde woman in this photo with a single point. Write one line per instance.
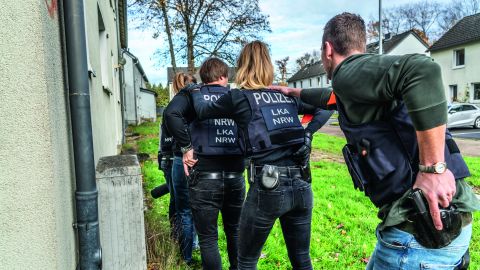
(279, 148)
(184, 229)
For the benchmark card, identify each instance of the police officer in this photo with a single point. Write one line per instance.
(185, 227)
(392, 110)
(217, 183)
(165, 162)
(279, 148)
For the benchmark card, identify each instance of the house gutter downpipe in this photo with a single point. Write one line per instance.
(86, 194)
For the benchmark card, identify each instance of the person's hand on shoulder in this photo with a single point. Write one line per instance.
(286, 90)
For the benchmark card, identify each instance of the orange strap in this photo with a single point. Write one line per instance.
(332, 100)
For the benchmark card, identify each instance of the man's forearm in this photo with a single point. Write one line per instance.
(431, 144)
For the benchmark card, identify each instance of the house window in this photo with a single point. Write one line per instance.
(453, 93)
(105, 61)
(459, 58)
(310, 81)
(301, 84)
(319, 80)
(476, 91)
(294, 84)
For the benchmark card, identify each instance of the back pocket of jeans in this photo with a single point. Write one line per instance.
(270, 202)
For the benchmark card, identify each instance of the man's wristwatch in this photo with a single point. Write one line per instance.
(439, 167)
(186, 148)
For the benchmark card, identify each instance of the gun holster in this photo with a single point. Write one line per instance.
(425, 232)
(192, 177)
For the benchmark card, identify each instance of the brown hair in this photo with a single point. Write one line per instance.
(346, 32)
(212, 69)
(181, 79)
(254, 66)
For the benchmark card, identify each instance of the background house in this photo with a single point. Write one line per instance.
(171, 74)
(310, 76)
(37, 185)
(139, 101)
(404, 43)
(313, 75)
(458, 53)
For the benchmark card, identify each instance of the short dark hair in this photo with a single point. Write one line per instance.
(212, 69)
(346, 32)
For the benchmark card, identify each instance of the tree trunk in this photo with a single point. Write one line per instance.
(169, 35)
(190, 57)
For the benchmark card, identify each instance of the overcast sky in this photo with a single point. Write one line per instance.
(296, 29)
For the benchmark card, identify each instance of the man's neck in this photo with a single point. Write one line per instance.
(216, 83)
(338, 59)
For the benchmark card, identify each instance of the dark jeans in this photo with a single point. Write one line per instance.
(182, 209)
(208, 197)
(292, 202)
(166, 167)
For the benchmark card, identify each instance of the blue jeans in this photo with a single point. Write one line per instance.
(292, 203)
(397, 249)
(182, 209)
(208, 197)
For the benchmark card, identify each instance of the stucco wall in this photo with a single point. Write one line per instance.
(105, 104)
(36, 182)
(462, 77)
(409, 45)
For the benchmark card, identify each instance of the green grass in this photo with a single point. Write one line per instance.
(328, 144)
(343, 222)
(147, 128)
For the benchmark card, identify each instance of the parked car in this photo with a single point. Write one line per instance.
(463, 114)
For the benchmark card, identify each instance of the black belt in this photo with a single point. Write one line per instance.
(407, 226)
(290, 172)
(219, 175)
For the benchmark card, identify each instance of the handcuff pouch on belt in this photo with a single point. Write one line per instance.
(424, 230)
(269, 178)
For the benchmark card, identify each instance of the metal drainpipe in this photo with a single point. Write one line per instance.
(90, 255)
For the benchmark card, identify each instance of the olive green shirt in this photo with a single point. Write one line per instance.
(367, 83)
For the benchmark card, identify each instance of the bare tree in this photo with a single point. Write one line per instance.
(282, 68)
(201, 28)
(308, 58)
(456, 10)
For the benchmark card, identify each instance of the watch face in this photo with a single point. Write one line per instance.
(440, 167)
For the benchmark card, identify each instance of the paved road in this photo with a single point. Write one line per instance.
(468, 140)
(466, 133)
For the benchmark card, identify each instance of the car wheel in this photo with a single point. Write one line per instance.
(476, 124)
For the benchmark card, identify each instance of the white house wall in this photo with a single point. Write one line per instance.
(105, 104)
(409, 45)
(36, 180)
(462, 77)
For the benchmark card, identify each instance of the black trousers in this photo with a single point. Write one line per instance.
(208, 197)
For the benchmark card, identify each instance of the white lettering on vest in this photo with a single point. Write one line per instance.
(273, 98)
(224, 140)
(282, 120)
(223, 122)
(280, 111)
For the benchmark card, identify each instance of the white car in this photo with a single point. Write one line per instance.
(463, 114)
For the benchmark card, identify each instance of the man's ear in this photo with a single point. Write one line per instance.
(328, 50)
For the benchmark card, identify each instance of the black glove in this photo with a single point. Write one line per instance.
(302, 156)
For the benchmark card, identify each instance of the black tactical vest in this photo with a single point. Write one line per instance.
(382, 156)
(215, 137)
(274, 121)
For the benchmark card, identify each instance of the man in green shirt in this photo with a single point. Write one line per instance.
(371, 93)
